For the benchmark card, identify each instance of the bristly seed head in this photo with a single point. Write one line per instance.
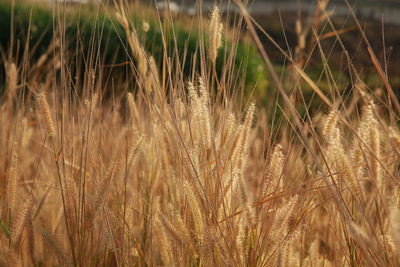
(46, 113)
(215, 33)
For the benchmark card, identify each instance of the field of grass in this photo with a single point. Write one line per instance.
(182, 167)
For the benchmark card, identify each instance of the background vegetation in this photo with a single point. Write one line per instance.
(84, 23)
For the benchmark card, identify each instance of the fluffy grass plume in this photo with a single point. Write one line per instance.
(215, 33)
(46, 114)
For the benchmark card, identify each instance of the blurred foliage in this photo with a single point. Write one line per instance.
(85, 24)
(94, 33)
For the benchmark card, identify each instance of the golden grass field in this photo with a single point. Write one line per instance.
(186, 171)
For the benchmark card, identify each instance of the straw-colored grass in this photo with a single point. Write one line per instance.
(182, 171)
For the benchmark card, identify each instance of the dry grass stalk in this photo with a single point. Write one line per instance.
(54, 245)
(239, 153)
(375, 146)
(12, 180)
(395, 228)
(215, 33)
(12, 82)
(134, 113)
(274, 172)
(20, 221)
(46, 114)
(72, 199)
(205, 122)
